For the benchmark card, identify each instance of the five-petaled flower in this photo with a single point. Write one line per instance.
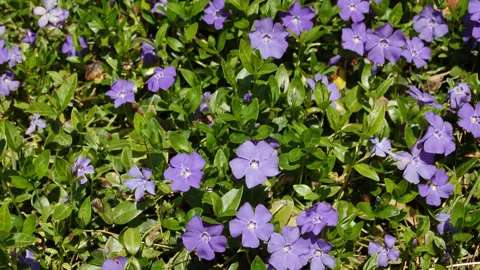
(35, 122)
(69, 49)
(416, 52)
(215, 14)
(50, 14)
(161, 79)
(439, 136)
(140, 182)
(381, 148)
(353, 9)
(415, 164)
(29, 37)
(317, 217)
(422, 98)
(298, 18)
(14, 56)
(437, 189)
(288, 249)
(354, 38)
(459, 95)
(269, 38)
(252, 225)
(205, 238)
(384, 43)
(319, 250)
(384, 253)
(122, 92)
(430, 23)
(185, 171)
(256, 162)
(117, 263)
(7, 84)
(81, 167)
(470, 119)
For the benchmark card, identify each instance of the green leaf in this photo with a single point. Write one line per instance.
(6, 224)
(250, 112)
(375, 119)
(312, 137)
(231, 201)
(190, 77)
(198, 7)
(258, 264)
(29, 224)
(462, 237)
(20, 240)
(325, 12)
(175, 44)
(302, 190)
(42, 109)
(191, 31)
(132, 240)
(66, 91)
(171, 224)
(246, 56)
(61, 212)
(367, 210)
(14, 139)
(20, 182)
(85, 212)
(41, 164)
(282, 211)
(178, 9)
(229, 74)
(179, 143)
(458, 216)
(366, 171)
(125, 212)
(387, 211)
(396, 14)
(383, 88)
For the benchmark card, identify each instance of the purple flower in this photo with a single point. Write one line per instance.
(470, 119)
(29, 37)
(117, 263)
(423, 98)
(319, 250)
(140, 182)
(162, 4)
(255, 162)
(2, 29)
(7, 84)
(205, 238)
(3, 52)
(148, 54)
(384, 43)
(214, 14)
(14, 56)
(68, 47)
(459, 95)
(315, 218)
(384, 253)
(416, 52)
(445, 224)
(353, 9)
(252, 226)
(380, 148)
(298, 18)
(29, 260)
(415, 164)
(354, 38)
(334, 60)
(474, 7)
(49, 13)
(81, 167)
(430, 23)
(203, 107)
(122, 92)
(332, 87)
(437, 189)
(161, 79)
(439, 136)
(472, 28)
(185, 171)
(247, 98)
(288, 249)
(34, 123)
(269, 39)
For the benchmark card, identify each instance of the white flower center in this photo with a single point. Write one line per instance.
(414, 52)
(318, 252)
(287, 249)
(80, 170)
(266, 38)
(432, 23)
(159, 75)
(254, 164)
(416, 161)
(356, 39)
(352, 7)
(218, 14)
(475, 119)
(185, 173)
(205, 236)
(295, 19)
(317, 219)
(438, 133)
(122, 94)
(383, 43)
(251, 225)
(6, 80)
(434, 187)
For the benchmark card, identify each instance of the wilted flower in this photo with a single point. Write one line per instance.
(214, 14)
(288, 249)
(269, 38)
(430, 23)
(384, 253)
(354, 38)
(319, 250)
(14, 56)
(117, 263)
(445, 224)
(7, 84)
(29, 260)
(384, 43)
(317, 217)
(298, 18)
(185, 171)
(353, 9)
(252, 226)
(416, 163)
(332, 87)
(334, 60)
(50, 14)
(255, 162)
(416, 52)
(162, 4)
(423, 98)
(122, 92)
(148, 54)
(381, 148)
(68, 47)
(459, 95)
(439, 136)
(140, 182)
(437, 189)
(29, 37)
(161, 79)
(34, 123)
(205, 238)
(470, 119)
(81, 167)
(203, 107)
